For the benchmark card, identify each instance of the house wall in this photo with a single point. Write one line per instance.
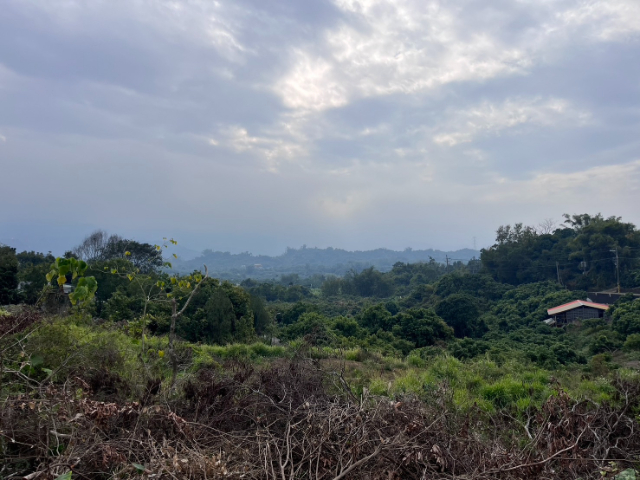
(579, 313)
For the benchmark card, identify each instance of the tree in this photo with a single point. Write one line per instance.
(422, 326)
(596, 242)
(145, 257)
(100, 246)
(293, 314)
(331, 287)
(461, 312)
(32, 268)
(223, 313)
(312, 325)
(376, 317)
(347, 327)
(8, 275)
(482, 286)
(368, 283)
(581, 254)
(219, 320)
(93, 246)
(261, 318)
(626, 318)
(546, 227)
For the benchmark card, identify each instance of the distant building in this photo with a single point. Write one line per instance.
(575, 311)
(610, 297)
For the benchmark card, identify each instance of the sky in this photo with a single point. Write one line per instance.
(251, 125)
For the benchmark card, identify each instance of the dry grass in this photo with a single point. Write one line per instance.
(293, 420)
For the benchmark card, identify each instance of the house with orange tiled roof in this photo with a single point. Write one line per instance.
(575, 311)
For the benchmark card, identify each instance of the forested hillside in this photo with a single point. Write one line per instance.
(426, 370)
(309, 261)
(581, 253)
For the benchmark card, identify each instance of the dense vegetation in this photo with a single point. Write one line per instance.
(427, 370)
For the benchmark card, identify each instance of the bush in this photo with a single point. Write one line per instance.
(356, 355)
(632, 342)
(313, 326)
(604, 343)
(414, 360)
(469, 348)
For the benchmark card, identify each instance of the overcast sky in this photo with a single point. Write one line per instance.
(256, 125)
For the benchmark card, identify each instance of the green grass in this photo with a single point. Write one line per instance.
(65, 345)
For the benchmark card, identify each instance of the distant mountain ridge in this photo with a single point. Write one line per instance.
(308, 261)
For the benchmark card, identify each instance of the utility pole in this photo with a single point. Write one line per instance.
(583, 266)
(447, 257)
(617, 261)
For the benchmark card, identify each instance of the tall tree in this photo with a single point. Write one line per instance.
(93, 246)
(144, 256)
(581, 254)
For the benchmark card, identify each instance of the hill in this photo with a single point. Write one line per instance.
(308, 261)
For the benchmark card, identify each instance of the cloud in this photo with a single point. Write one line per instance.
(596, 187)
(489, 118)
(348, 123)
(386, 47)
(605, 19)
(272, 151)
(311, 84)
(345, 206)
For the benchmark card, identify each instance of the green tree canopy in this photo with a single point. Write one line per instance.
(461, 312)
(581, 253)
(32, 268)
(422, 326)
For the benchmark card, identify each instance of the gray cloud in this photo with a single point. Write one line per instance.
(253, 125)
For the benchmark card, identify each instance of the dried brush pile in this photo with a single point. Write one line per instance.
(294, 421)
(19, 321)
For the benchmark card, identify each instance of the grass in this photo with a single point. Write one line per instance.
(65, 344)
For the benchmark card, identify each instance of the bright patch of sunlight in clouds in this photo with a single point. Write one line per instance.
(395, 47)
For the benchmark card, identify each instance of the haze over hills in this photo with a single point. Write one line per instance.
(308, 261)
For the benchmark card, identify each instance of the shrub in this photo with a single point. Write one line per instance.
(356, 355)
(632, 342)
(414, 360)
(604, 343)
